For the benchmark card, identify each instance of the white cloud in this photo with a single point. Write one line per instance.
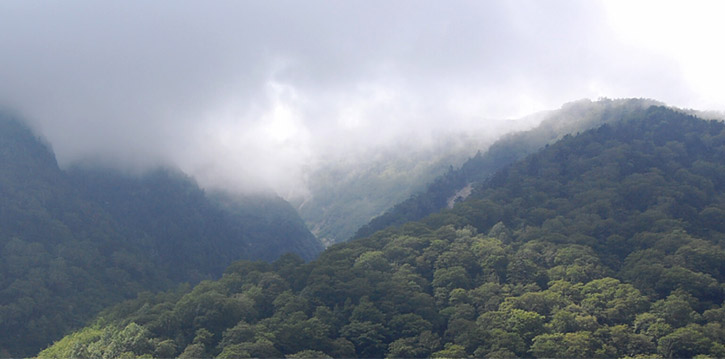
(688, 34)
(246, 95)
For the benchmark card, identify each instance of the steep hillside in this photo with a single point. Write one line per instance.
(605, 244)
(571, 118)
(346, 194)
(72, 244)
(175, 213)
(347, 191)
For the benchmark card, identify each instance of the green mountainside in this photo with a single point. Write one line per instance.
(605, 244)
(571, 118)
(73, 243)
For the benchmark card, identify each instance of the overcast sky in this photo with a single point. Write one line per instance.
(249, 94)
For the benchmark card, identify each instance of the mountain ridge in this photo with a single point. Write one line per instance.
(76, 241)
(571, 118)
(604, 244)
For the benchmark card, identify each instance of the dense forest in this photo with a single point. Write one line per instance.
(609, 243)
(571, 118)
(74, 242)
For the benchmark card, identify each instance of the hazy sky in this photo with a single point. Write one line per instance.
(245, 94)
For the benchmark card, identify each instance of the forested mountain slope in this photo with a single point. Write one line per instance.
(605, 244)
(72, 244)
(178, 217)
(346, 193)
(571, 118)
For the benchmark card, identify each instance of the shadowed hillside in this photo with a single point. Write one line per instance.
(74, 243)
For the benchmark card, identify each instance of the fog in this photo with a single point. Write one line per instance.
(254, 95)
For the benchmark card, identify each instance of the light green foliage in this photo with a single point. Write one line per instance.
(611, 301)
(451, 351)
(108, 342)
(73, 345)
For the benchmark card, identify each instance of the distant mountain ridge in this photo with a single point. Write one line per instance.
(346, 192)
(73, 242)
(344, 195)
(571, 118)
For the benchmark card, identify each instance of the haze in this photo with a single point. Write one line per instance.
(253, 95)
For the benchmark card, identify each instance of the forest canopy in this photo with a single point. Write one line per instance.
(605, 244)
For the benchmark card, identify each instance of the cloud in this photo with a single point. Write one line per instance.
(246, 95)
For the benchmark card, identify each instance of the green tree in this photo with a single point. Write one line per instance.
(685, 342)
(368, 338)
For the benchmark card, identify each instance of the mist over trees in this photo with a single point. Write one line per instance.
(329, 179)
(345, 194)
(571, 118)
(74, 242)
(604, 244)
(355, 196)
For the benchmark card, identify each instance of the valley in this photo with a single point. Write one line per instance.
(603, 243)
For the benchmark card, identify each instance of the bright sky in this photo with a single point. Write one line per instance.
(245, 95)
(689, 33)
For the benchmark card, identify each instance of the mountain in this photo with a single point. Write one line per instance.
(170, 209)
(609, 243)
(346, 193)
(443, 191)
(75, 242)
